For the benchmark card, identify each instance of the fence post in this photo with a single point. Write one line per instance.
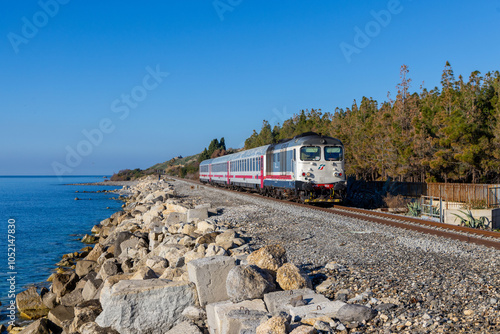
(441, 220)
(440, 206)
(488, 197)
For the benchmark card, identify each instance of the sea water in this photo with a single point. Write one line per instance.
(40, 220)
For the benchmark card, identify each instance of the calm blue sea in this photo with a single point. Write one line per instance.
(48, 223)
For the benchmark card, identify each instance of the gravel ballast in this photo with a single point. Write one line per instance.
(419, 283)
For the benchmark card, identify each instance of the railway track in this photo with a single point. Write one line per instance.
(462, 233)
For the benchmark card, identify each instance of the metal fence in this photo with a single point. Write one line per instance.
(466, 192)
(432, 207)
(494, 195)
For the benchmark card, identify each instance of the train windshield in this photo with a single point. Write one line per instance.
(310, 153)
(333, 153)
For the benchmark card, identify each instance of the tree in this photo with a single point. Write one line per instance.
(451, 133)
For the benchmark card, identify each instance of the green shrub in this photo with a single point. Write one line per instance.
(470, 221)
(414, 209)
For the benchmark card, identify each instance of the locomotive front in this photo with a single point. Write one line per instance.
(320, 170)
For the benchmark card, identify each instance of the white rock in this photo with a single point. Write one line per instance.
(213, 250)
(222, 317)
(209, 275)
(150, 306)
(205, 227)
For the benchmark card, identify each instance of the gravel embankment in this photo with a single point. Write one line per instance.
(436, 284)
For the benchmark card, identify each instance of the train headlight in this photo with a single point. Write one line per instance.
(303, 174)
(337, 174)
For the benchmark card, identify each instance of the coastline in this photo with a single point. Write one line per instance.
(216, 260)
(48, 224)
(106, 183)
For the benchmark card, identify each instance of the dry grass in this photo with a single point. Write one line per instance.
(394, 202)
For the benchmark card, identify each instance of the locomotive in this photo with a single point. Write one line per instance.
(308, 168)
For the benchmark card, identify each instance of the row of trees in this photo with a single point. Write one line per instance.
(215, 149)
(447, 134)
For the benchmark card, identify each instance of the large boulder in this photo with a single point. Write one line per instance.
(210, 274)
(248, 282)
(145, 306)
(197, 214)
(354, 312)
(172, 252)
(269, 258)
(303, 329)
(289, 277)
(243, 317)
(63, 283)
(89, 239)
(30, 304)
(144, 273)
(282, 301)
(91, 288)
(120, 238)
(83, 267)
(185, 327)
(41, 326)
(95, 253)
(85, 312)
(93, 328)
(60, 314)
(49, 299)
(110, 267)
(72, 298)
(275, 325)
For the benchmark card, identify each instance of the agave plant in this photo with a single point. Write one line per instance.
(470, 221)
(431, 210)
(414, 209)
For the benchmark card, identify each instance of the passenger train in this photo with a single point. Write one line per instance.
(308, 168)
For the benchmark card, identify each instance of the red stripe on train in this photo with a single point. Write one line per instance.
(279, 177)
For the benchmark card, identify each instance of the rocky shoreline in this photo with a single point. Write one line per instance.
(195, 260)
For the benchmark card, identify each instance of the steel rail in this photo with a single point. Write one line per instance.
(419, 225)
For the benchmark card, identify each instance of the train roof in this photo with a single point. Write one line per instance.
(253, 152)
(307, 139)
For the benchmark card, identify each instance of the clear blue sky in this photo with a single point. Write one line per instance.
(71, 66)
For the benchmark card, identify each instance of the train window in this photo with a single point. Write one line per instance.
(310, 153)
(333, 153)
